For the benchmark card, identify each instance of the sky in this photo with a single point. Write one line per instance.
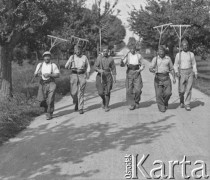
(124, 6)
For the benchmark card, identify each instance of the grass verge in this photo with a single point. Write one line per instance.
(17, 114)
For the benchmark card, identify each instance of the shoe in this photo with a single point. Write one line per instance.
(181, 105)
(48, 116)
(163, 111)
(132, 107)
(107, 109)
(137, 105)
(81, 111)
(187, 107)
(102, 105)
(76, 107)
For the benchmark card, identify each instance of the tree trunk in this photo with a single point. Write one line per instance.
(6, 68)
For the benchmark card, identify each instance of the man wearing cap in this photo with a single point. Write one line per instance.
(134, 82)
(186, 69)
(80, 69)
(105, 78)
(46, 93)
(162, 65)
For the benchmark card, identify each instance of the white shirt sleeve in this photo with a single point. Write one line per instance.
(69, 62)
(194, 63)
(88, 65)
(55, 69)
(140, 58)
(176, 63)
(38, 69)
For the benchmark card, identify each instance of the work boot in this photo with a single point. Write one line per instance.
(81, 111)
(187, 107)
(76, 107)
(107, 99)
(132, 107)
(136, 105)
(103, 102)
(181, 105)
(48, 116)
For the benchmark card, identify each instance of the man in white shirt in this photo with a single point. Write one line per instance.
(134, 82)
(46, 93)
(185, 68)
(80, 69)
(162, 65)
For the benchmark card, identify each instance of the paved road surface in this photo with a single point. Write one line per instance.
(93, 145)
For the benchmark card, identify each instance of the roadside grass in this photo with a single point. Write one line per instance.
(17, 114)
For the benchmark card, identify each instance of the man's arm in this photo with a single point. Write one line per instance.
(38, 70)
(55, 72)
(194, 65)
(124, 61)
(113, 69)
(142, 65)
(88, 68)
(97, 67)
(153, 64)
(171, 69)
(68, 63)
(176, 65)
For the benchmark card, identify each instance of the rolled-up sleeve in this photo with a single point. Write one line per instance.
(194, 64)
(68, 63)
(176, 63)
(87, 65)
(55, 69)
(153, 63)
(38, 69)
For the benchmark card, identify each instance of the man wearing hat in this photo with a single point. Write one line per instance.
(162, 66)
(134, 83)
(46, 93)
(105, 78)
(80, 69)
(186, 69)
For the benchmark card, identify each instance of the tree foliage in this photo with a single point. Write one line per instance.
(193, 12)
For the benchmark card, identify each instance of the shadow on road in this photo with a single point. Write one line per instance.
(193, 105)
(67, 146)
(91, 93)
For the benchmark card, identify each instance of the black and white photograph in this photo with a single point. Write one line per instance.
(104, 89)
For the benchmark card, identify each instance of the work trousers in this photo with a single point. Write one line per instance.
(46, 96)
(163, 90)
(77, 89)
(185, 85)
(134, 87)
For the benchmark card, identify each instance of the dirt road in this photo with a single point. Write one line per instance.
(93, 145)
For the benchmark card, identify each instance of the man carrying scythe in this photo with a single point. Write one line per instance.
(46, 93)
(80, 69)
(186, 69)
(162, 65)
(105, 66)
(134, 82)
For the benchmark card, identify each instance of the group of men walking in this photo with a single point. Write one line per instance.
(184, 68)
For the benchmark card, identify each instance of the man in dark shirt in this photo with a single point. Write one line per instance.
(105, 78)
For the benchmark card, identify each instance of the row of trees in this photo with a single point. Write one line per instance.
(193, 12)
(27, 23)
